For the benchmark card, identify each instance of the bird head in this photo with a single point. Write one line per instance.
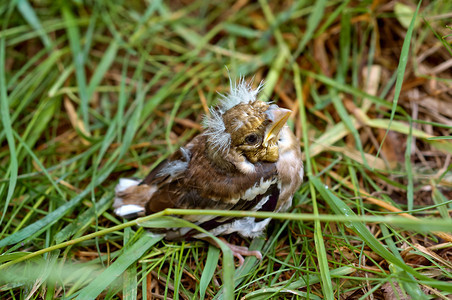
(242, 130)
(254, 129)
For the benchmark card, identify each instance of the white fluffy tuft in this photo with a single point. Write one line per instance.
(215, 131)
(128, 209)
(241, 92)
(178, 166)
(125, 183)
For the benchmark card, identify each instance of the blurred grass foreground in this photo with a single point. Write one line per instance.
(91, 91)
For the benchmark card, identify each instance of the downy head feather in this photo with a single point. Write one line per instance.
(241, 92)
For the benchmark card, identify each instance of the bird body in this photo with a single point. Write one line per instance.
(246, 159)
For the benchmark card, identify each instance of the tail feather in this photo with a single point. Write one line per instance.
(131, 198)
(129, 211)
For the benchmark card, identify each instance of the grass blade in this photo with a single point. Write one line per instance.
(78, 60)
(48, 220)
(210, 266)
(327, 286)
(13, 168)
(228, 262)
(408, 282)
(313, 21)
(29, 14)
(131, 253)
(107, 59)
(401, 70)
(409, 170)
(341, 208)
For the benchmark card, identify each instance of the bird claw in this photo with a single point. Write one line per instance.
(240, 251)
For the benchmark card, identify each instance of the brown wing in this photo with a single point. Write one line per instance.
(201, 184)
(166, 179)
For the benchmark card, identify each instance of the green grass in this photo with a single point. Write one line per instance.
(94, 91)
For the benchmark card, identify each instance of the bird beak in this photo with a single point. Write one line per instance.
(278, 117)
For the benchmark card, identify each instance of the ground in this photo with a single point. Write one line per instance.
(92, 91)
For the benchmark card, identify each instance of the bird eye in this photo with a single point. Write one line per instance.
(251, 139)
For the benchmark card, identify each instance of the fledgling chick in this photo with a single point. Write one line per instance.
(247, 158)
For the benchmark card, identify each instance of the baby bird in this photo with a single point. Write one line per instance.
(247, 158)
